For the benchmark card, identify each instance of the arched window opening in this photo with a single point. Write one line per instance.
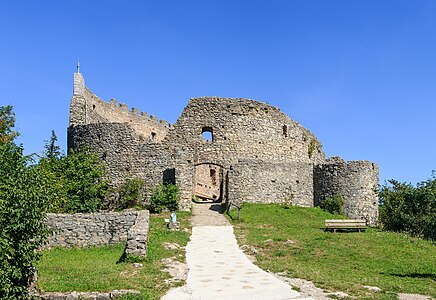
(207, 134)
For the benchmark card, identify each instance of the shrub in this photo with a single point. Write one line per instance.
(131, 194)
(164, 196)
(334, 205)
(404, 207)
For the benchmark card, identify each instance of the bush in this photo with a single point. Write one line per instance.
(74, 182)
(131, 194)
(22, 212)
(164, 196)
(404, 207)
(334, 205)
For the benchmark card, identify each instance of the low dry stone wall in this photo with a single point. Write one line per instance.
(84, 295)
(83, 230)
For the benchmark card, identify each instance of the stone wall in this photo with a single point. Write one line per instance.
(355, 181)
(137, 235)
(271, 182)
(94, 229)
(117, 146)
(87, 108)
(241, 129)
(263, 155)
(85, 295)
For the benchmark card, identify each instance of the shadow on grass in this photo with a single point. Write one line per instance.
(413, 275)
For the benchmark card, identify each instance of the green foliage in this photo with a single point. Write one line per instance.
(74, 182)
(131, 194)
(22, 213)
(333, 205)
(84, 185)
(404, 207)
(164, 196)
(51, 150)
(7, 123)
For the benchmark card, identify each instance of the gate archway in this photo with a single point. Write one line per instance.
(208, 181)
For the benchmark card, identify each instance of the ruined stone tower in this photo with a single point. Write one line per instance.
(225, 149)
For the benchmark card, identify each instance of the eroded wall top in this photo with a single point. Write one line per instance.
(87, 108)
(240, 128)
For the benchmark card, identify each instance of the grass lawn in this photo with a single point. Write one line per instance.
(97, 268)
(293, 241)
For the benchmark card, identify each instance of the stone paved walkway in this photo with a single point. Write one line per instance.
(218, 269)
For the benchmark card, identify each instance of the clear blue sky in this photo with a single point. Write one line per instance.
(361, 75)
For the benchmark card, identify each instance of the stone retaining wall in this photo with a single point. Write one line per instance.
(94, 229)
(84, 295)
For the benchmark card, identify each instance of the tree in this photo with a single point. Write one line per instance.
(7, 123)
(74, 183)
(404, 207)
(51, 150)
(22, 213)
(83, 182)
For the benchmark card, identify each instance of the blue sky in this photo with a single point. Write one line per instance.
(361, 75)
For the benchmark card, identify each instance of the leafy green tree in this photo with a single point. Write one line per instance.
(74, 182)
(50, 167)
(85, 188)
(23, 203)
(51, 150)
(404, 207)
(7, 123)
(164, 196)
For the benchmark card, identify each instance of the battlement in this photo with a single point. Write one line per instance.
(134, 113)
(88, 108)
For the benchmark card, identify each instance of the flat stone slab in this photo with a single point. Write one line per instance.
(218, 269)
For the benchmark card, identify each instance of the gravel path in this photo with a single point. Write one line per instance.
(218, 269)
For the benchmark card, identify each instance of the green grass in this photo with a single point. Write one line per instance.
(97, 268)
(345, 262)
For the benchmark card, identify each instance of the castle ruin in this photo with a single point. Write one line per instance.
(231, 150)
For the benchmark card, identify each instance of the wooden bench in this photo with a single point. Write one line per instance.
(333, 225)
